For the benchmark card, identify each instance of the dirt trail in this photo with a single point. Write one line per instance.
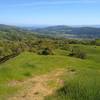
(38, 86)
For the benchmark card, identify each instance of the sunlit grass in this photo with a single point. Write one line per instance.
(28, 65)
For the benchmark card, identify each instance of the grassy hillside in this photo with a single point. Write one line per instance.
(30, 64)
(84, 84)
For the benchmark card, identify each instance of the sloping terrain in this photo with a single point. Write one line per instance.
(38, 86)
(31, 68)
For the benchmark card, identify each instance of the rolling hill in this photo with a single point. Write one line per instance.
(37, 57)
(82, 32)
(8, 32)
(70, 32)
(27, 65)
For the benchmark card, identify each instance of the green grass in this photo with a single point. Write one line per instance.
(85, 83)
(82, 86)
(29, 64)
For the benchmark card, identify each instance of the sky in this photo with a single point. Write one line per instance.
(50, 12)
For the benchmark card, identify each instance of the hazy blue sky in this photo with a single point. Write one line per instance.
(50, 12)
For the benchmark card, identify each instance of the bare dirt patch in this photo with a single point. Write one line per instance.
(37, 87)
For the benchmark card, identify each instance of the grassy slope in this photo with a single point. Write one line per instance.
(84, 85)
(28, 64)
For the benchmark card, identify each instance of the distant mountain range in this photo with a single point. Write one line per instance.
(84, 32)
(70, 32)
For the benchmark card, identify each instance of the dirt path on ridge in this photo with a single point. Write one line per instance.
(38, 86)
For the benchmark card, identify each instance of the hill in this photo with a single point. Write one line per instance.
(70, 32)
(28, 65)
(13, 33)
(26, 61)
(79, 32)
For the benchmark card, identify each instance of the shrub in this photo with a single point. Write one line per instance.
(76, 52)
(45, 51)
(27, 74)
